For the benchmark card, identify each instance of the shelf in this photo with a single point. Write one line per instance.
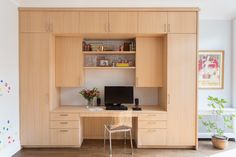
(108, 52)
(110, 68)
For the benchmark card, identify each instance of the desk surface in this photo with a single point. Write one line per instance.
(100, 111)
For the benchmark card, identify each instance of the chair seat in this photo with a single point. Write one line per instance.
(118, 128)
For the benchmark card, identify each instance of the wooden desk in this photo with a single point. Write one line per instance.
(78, 122)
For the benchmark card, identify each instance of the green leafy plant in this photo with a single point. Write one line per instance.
(217, 105)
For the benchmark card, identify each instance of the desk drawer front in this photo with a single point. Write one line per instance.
(153, 117)
(151, 137)
(64, 124)
(64, 116)
(152, 124)
(65, 137)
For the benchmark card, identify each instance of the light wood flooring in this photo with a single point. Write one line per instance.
(94, 148)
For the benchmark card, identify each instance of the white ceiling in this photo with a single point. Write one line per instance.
(210, 9)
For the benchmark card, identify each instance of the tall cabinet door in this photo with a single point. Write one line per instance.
(34, 88)
(181, 89)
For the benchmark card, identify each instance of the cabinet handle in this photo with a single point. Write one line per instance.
(136, 81)
(168, 29)
(109, 27)
(151, 130)
(165, 28)
(63, 130)
(151, 122)
(151, 115)
(63, 122)
(51, 27)
(168, 99)
(105, 27)
(63, 115)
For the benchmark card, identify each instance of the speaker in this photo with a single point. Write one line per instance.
(98, 101)
(136, 101)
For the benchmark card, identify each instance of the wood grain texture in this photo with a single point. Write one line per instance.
(69, 62)
(37, 21)
(123, 22)
(182, 22)
(151, 137)
(64, 22)
(181, 89)
(34, 88)
(152, 22)
(94, 22)
(149, 61)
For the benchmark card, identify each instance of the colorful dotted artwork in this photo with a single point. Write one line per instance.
(5, 87)
(7, 135)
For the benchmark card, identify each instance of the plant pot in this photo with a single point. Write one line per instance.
(219, 142)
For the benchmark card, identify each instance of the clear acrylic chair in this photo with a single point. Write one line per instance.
(119, 124)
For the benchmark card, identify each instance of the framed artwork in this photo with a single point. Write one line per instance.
(210, 69)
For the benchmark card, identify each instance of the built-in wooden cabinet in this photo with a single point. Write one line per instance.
(182, 22)
(34, 21)
(123, 22)
(149, 61)
(94, 22)
(34, 88)
(64, 22)
(152, 22)
(181, 83)
(69, 62)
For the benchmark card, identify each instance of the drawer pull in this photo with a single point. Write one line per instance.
(63, 130)
(63, 115)
(151, 122)
(63, 122)
(151, 130)
(151, 115)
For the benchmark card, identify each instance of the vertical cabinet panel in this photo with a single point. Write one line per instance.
(69, 61)
(34, 21)
(152, 22)
(34, 88)
(182, 22)
(123, 22)
(64, 22)
(181, 89)
(93, 22)
(149, 61)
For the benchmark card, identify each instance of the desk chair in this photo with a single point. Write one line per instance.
(118, 125)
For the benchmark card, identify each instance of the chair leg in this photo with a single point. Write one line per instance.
(131, 142)
(110, 143)
(125, 137)
(105, 138)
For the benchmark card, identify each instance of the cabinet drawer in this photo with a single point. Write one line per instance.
(153, 116)
(151, 137)
(64, 124)
(65, 137)
(151, 124)
(64, 116)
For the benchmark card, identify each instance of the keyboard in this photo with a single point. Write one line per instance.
(121, 107)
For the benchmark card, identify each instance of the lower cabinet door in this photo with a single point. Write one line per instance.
(65, 137)
(151, 137)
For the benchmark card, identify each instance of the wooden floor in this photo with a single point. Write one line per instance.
(94, 148)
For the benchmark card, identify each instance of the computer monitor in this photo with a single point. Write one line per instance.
(116, 95)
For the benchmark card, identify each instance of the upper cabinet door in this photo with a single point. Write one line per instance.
(123, 22)
(182, 22)
(94, 22)
(64, 22)
(34, 21)
(69, 62)
(152, 22)
(149, 62)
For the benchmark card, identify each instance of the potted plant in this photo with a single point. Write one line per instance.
(218, 139)
(89, 95)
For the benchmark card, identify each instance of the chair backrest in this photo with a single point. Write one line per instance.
(124, 119)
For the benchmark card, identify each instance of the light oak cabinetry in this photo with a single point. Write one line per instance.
(94, 22)
(149, 62)
(182, 22)
(181, 83)
(34, 88)
(152, 22)
(69, 62)
(123, 22)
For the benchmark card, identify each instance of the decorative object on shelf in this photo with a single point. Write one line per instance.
(98, 101)
(218, 139)
(103, 63)
(89, 95)
(211, 69)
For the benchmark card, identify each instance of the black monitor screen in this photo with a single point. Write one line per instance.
(119, 94)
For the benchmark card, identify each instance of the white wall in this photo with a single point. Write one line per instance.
(216, 35)
(9, 102)
(234, 64)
